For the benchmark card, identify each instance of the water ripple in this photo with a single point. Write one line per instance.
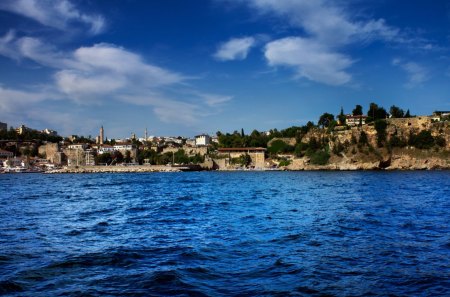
(226, 234)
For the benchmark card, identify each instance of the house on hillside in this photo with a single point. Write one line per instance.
(439, 114)
(355, 120)
(202, 140)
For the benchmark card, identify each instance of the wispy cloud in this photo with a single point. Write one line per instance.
(235, 49)
(103, 72)
(416, 73)
(326, 22)
(310, 60)
(327, 30)
(58, 14)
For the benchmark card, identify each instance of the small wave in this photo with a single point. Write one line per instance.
(314, 243)
(306, 290)
(96, 212)
(288, 238)
(169, 282)
(137, 209)
(74, 232)
(185, 198)
(103, 224)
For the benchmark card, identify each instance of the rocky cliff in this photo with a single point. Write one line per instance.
(395, 153)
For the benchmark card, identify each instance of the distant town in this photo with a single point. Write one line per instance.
(346, 141)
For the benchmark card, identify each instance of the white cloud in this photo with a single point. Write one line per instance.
(417, 74)
(309, 59)
(327, 28)
(325, 21)
(235, 49)
(58, 14)
(105, 72)
(11, 99)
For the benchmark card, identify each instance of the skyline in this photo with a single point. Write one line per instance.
(183, 68)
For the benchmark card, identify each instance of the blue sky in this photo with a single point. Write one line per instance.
(189, 67)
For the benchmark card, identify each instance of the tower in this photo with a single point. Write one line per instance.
(102, 135)
(145, 135)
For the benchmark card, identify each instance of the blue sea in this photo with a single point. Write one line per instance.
(226, 234)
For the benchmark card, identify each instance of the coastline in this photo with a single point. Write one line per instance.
(148, 169)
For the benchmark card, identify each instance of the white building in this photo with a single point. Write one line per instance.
(123, 146)
(78, 146)
(352, 120)
(105, 149)
(49, 132)
(203, 139)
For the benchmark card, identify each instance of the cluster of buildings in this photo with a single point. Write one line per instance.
(359, 120)
(74, 152)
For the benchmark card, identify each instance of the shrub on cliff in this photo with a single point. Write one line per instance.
(284, 162)
(440, 141)
(320, 158)
(338, 148)
(300, 149)
(396, 141)
(380, 127)
(279, 146)
(362, 138)
(423, 140)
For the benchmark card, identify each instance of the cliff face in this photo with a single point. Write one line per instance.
(354, 156)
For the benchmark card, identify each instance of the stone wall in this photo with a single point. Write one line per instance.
(288, 140)
(190, 151)
(51, 152)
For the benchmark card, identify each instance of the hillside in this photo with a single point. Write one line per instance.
(404, 143)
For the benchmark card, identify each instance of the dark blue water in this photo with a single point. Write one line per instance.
(226, 234)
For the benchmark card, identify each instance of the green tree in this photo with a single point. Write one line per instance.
(396, 112)
(104, 158)
(326, 119)
(117, 157)
(341, 117)
(375, 113)
(407, 115)
(127, 158)
(358, 110)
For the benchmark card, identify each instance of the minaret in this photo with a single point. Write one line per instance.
(102, 135)
(145, 135)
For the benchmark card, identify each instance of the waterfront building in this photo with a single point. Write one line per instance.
(257, 154)
(203, 139)
(3, 126)
(124, 147)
